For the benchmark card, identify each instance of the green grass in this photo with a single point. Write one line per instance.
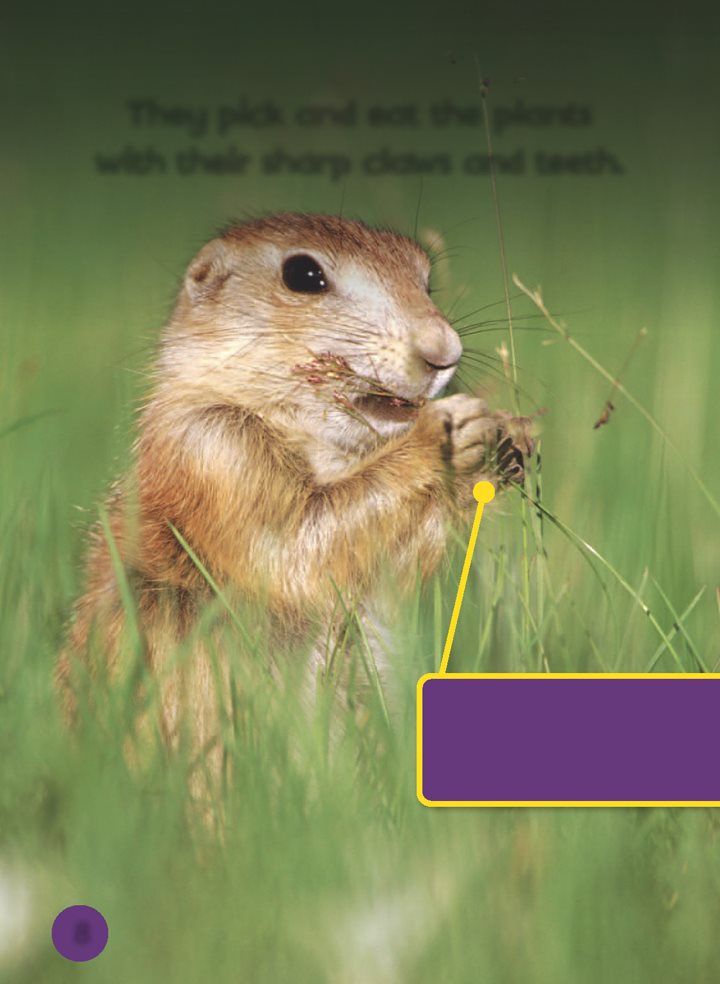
(329, 870)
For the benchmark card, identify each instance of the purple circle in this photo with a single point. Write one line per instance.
(80, 933)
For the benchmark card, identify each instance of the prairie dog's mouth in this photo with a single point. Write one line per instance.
(388, 406)
(333, 376)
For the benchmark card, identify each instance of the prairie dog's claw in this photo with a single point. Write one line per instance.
(485, 444)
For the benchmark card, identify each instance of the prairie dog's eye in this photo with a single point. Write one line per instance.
(303, 274)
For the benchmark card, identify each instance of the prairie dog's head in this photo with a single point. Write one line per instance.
(312, 319)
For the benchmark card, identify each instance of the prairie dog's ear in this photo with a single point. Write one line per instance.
(208, 271)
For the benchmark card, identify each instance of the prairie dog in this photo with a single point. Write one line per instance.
(292, 438)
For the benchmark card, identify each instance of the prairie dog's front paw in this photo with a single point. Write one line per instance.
(480, 443)
(470, 429)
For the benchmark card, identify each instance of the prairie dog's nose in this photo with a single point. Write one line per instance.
(438, 345)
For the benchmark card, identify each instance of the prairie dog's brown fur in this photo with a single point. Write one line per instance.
(291, 437)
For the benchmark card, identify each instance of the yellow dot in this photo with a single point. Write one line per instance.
(484, 492)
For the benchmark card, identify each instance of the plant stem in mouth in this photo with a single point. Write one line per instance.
(328, 369)
(389, 407)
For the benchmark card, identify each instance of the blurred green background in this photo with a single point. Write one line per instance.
(337, 874)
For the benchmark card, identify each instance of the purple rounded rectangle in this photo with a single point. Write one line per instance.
(568, 739)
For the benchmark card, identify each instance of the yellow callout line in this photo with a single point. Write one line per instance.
(483, 492)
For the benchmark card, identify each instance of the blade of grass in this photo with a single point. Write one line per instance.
(498, 581)
(578, 541)
(483, 88)
(661, 648)
(237, 622)
(623, 641)
(26, 421)
(126, 595)
(677, 624)
(588, 635)
(437, 618)
(536, 297)
(366, 653)
(134, 669)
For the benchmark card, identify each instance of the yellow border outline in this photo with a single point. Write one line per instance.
(548, 676)
(484, 492)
